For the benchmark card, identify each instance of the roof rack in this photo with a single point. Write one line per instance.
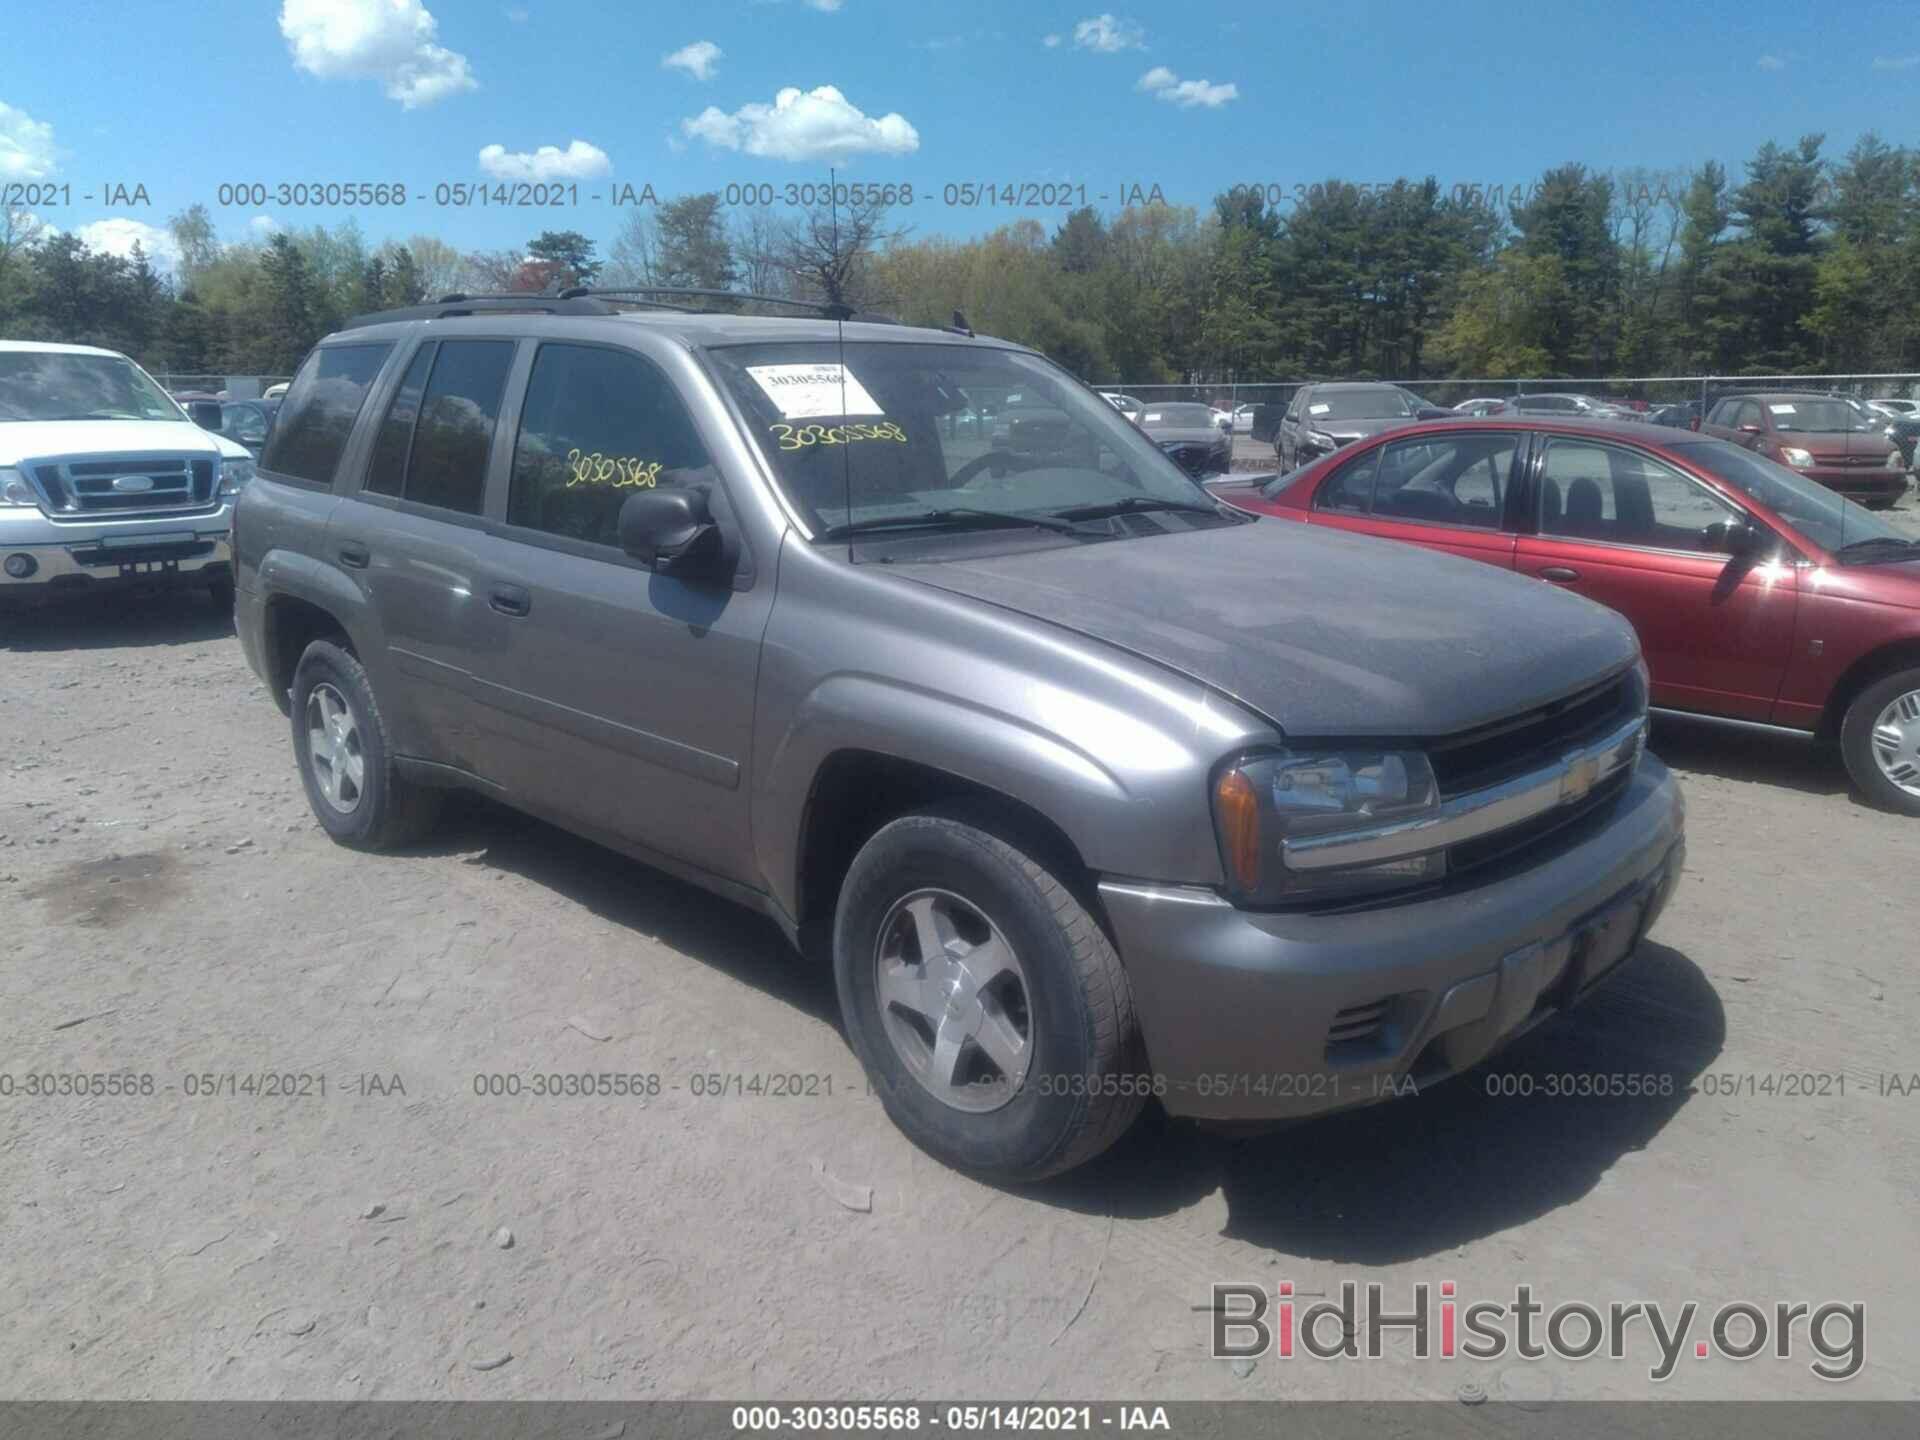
(831, 309)
(520, 301)
(581, 300)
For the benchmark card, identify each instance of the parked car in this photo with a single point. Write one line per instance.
(1481, 405)
(1243, 418)
(1584, 405)
(1128, 405)
(1190, 437)
(1904, 434)
(1093, 789)
(105, 481)
(1824, 437)
(1761, 598)
(1684, 415)
(1895, 409)
(274, 392)
(246, 422)
(1321, 418)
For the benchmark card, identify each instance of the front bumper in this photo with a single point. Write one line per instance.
(62, 556)
(1879, 484)
(1271, 1015)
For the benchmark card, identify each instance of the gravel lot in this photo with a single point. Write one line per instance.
(173, 911)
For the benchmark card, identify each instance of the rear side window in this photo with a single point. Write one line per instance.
(321, 406)
(447, 467)
(598, 425)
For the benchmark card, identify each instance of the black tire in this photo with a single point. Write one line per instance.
(1856, 742)
(1085, 1082)
(388, 811)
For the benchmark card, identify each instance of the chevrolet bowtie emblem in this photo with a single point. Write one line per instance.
(1581, 773)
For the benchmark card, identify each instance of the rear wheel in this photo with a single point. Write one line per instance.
(340, 742)
(1880, 741)
(989, 1009)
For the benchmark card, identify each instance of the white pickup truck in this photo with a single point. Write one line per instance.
(105, 480)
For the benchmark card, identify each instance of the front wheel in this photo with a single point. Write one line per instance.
(989, 1009)
(1880, 742)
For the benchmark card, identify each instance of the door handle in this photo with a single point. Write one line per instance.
(510, 600)
(1559, 572)
(355, 555)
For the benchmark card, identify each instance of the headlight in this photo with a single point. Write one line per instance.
(1799, 459)
(234, 474)
(14, 489)
(1262, 802)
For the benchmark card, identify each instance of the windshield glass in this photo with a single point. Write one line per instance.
(1382, 404)
(1828, 519)
(51, 385)
(1819, 417)
(911, 429)
(1179, 417)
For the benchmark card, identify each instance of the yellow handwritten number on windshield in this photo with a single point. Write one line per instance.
(622, 472)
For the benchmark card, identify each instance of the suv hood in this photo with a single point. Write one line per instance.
(1323, 633)
(1354, 429)
(31, 439)
(1185, 434)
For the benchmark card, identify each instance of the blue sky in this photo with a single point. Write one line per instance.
(1191, 97)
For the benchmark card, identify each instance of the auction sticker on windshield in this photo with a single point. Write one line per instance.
(804, 391)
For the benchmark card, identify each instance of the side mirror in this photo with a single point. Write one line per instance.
(205, 414)
(672, 530)
(1433, 412)
(1741, 539)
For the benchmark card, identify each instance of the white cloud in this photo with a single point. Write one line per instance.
(1771, 62)
(390, 40)
(1163, 84)
(1052, 42)
(1108, 35)
(119, 235)
(579, 161)
(1880, 62)
(26, 146)
(815, 124)
(827, 5)
(517, 14)
(263, 225)
(696, 59)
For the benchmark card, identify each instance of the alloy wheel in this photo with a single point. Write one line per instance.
(334, 752)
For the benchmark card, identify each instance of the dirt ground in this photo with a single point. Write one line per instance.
(171, 910)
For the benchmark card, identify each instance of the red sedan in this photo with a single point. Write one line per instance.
(1762, 598)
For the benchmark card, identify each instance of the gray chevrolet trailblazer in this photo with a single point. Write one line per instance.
(1096, 790)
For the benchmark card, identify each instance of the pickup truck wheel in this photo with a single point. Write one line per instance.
(989, 1009)
(1880, 741)
(340, 742)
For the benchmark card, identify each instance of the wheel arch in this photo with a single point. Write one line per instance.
(1868, 670)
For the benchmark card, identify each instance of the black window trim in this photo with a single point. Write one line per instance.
(1517, 466)
(492, 485)
(348, 467)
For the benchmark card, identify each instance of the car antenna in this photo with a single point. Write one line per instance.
(840, 312)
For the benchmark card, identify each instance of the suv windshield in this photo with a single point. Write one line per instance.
(1381, 404)
(944, 437)
(1828, 519)
(1819, 417)
(53, 385)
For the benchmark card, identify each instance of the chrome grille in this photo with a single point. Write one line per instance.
(139, 484)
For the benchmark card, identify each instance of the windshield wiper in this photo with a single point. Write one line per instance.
(963, 515)
(1866, 548)
(1132, 504)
